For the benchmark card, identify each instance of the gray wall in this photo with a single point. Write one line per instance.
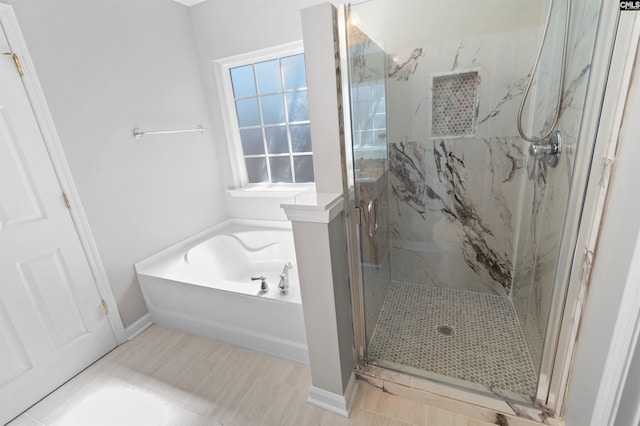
(107, 66)
(342, 297)
(319, 247)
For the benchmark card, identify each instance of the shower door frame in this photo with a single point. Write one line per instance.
(353, 217)
(608, 81)
(352, 213)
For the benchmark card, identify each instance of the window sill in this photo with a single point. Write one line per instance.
(270, 191)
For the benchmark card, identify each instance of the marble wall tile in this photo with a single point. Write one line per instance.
(452, 204)
(503, 62)
(541, 106)
(545, 194)
(376, 247)
(455, 200)
(368, 101)
(545, 190)
(375, 250)
(366, 58)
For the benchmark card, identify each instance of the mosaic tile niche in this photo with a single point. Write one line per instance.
(454, 104)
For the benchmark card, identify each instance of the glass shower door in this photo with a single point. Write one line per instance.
(367, 67)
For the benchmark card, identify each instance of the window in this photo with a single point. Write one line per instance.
(269, 116)
(369, 115)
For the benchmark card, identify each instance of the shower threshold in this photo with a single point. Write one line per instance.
(469, 340)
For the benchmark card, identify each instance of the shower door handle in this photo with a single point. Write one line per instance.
(372, 212)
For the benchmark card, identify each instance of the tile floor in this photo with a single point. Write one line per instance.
(167, 377)
(486, 346)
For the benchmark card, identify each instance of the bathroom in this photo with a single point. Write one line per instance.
(150, 67)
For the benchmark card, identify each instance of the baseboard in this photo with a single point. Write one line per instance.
(351, 392)
(338, 404)
(138, 326)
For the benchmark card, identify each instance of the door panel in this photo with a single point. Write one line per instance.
(13, 356)
(52, 322)
(19, 202)
(46, 278)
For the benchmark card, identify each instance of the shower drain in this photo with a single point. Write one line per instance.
(445, 330)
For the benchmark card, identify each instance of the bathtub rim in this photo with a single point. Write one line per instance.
(201, 237)
(178, 249)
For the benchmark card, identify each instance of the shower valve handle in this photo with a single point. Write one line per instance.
(537, 149)
(550, 150)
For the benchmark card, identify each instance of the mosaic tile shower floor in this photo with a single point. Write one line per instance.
(487, 347)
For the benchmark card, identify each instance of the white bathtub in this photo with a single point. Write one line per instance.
(203, 286)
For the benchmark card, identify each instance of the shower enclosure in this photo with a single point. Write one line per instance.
(461, 223)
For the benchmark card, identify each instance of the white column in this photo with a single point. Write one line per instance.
(321, 57)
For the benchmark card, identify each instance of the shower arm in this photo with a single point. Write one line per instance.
(547, 133)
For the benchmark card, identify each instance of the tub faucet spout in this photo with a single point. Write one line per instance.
(284, 278)
(285, 271)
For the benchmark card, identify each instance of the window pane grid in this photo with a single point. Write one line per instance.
(290, 123)
(286, 117)
(278, 111)
(264, 139)
(240, 98)
(293, 154)
(369, 114)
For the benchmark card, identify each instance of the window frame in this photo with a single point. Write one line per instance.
(222, 69)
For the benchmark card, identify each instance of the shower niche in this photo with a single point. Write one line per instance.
(457, 280)
(454, 104)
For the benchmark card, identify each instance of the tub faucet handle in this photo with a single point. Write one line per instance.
(284, 284)
(263, 283)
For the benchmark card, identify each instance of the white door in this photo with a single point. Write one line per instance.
(52, 323)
